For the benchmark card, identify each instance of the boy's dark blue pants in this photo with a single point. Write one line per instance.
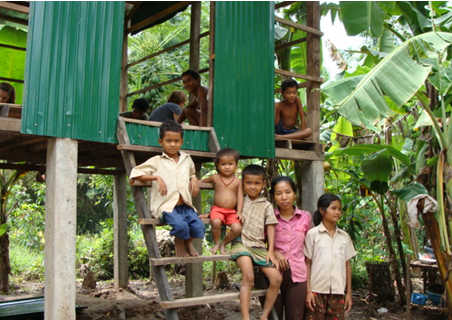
(185, 223)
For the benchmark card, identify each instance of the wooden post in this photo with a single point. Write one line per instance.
(211, 64)
(60, 228)
(195, 31)
(120, 250)
(312, 171)
(408, 287)
(193, 273)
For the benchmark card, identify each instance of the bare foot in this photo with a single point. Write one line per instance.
(179, 245)
(191, 249)
(223, 248)
(215, 248)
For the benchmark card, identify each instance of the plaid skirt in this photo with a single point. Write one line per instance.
(258, 255)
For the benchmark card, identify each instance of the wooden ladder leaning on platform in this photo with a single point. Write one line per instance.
(148, 225)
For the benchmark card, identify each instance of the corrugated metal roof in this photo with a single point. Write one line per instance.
(72, 75)
(244, 73)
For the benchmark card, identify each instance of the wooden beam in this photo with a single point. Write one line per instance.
(157, 150)
(289, 44)
(297, 155)
(299, 76)
(207, 299)
(9, 124)
(183, 260)
(195, 31)
(41, 167)
(210, 109)
(300, 85)
(12, 47)
(124, 78)
(298, 26)
(284, 4)
(205, 34)
(15, 20)
(162, 84)
(14, 7)
(158, 16)
(12, 80)
(132, 12)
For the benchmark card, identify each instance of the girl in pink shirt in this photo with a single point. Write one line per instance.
(293, 225)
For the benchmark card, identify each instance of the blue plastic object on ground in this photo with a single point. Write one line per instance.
(418, 298)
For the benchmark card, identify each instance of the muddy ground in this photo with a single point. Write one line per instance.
(140, 301)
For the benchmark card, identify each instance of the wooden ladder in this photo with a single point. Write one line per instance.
(148, 226)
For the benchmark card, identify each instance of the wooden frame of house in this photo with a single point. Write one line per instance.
(77, 68)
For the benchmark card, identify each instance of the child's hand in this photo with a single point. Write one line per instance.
(162, 186)
(283, 263)
(240, 217)
(271, 257)
(310, 301)
(204, 216)
(194, 187)
(348, 303)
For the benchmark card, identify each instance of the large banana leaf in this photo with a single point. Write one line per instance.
(398, 77)
(359, 16)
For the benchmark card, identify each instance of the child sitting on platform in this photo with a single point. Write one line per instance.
(174, 181)
(287, 111)
(228, 199)
(250, 249)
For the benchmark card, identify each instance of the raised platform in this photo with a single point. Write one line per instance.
(29, 152)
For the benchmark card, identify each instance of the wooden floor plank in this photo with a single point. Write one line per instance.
(183, 260)
(196, 301)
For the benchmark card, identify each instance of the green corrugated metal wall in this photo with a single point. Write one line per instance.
(244, 70)
(73, 69)
(148, 136)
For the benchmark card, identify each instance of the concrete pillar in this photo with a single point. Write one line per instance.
(312, 184)
(60, 228)
(120, 250)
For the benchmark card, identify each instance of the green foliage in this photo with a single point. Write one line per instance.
(13, 61)
(26, 264)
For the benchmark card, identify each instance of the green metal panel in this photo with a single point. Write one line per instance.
(73, 69)
(148, 136)
(244, 71)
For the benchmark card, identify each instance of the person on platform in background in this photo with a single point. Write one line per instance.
(139, 108)
(170, 110)
(196, 110)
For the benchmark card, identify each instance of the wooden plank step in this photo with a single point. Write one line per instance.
(183, 260)
(157, 222)
(296, 141)
(196, 301)
(137, 183)
(137, 148)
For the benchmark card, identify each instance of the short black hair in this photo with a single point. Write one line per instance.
(141, 104)
(253, 170)
(289, 83)
(191, 73)
(227, 152)
(172, 126)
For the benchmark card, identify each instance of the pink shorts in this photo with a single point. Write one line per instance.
(227, 216)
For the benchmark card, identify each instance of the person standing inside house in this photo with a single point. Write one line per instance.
(170, 110)
(7, 93)
(196, 110)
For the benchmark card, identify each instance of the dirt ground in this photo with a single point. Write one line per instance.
(140, 301)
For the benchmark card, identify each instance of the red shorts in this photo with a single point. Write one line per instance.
(227, 216)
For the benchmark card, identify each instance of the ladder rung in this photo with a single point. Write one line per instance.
(196, 301)
(157, 222)
(137, 183)
(183, 260)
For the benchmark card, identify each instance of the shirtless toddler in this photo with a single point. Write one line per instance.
(228, 199)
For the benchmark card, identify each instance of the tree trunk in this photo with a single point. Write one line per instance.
(398, 236)
(392, 256)
(5, 267)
